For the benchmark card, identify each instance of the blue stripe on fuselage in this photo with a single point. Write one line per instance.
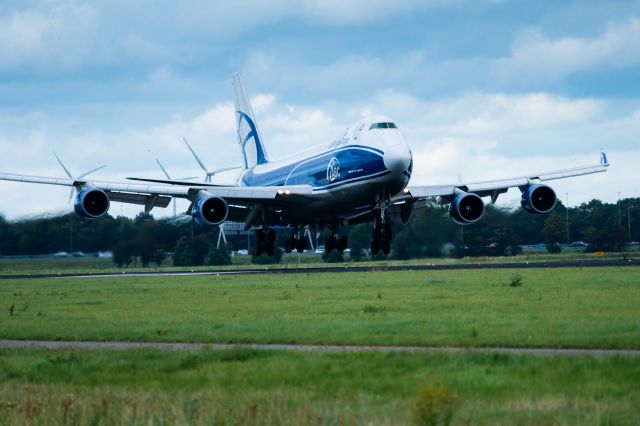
(355, 163)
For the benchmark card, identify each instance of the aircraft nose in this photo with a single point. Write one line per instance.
(397, 158)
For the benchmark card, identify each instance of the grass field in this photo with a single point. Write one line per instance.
(276, 388)
(49, 265)
(571, 307)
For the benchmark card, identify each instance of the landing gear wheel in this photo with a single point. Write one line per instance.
(376, 241)
(259, 242)
(330, 244)
(386, 243)
(291, 244)
(341, 244)
(270, 240)
(301, 244)
(386, 246)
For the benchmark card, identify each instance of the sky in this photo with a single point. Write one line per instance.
(480, 89)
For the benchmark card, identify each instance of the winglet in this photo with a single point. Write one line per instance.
(603, 158)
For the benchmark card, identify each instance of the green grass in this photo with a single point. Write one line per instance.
(571, 307)
(277, 388)
(33, 266)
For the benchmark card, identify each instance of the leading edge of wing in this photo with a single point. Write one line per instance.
(177, 182)
(500, 184)
(240, 194)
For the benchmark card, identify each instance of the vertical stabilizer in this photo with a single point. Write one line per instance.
(253, 152)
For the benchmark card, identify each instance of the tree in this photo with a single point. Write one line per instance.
(555, 230)
(191, 251)
(122, 254)
(359, 240)
(179, 258)
(159, 256)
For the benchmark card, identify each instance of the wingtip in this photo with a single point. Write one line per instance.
(604, 161)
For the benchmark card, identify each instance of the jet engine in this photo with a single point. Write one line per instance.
(209, 211)
(538, 199)
(466, 208)
(91, 203)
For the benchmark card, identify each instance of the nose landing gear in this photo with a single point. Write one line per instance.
(382, 233)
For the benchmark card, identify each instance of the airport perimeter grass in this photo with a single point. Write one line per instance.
(93, 265)
(278, 388)
(570, 307)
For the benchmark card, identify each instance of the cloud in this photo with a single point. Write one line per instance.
(72, 35)
(543, 58)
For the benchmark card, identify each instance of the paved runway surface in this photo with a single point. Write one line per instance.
(166, 346)
(304, 270)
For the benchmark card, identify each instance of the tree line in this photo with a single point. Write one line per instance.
(429, 233)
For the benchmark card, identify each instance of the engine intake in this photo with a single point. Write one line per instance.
(466, 209)
(538, 199)
(210, 211)
(91, 203)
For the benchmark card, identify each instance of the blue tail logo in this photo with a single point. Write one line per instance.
(251, 136)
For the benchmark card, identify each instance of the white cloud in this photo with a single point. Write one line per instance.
(59, 33)
(543, 58)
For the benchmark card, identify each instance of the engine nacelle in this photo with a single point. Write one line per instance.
(466, 209)
(538, 199)
(208, 211)
(91, 203)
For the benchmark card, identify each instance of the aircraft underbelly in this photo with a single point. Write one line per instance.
(341, 203)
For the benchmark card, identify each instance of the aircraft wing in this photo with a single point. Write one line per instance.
(153, 194)
(494, 188)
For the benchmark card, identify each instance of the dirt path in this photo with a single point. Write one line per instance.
(175, 346)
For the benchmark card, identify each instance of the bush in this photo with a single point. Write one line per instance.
(434, 406)
(159, 256)
(334, 256)
(516, 280)
(219, 256)
(553, 247)
(191, 251)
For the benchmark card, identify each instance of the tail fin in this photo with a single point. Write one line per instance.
(253, 152)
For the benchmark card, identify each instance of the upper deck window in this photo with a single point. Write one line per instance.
(383, 126)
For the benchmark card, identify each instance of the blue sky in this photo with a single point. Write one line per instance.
(480, 89)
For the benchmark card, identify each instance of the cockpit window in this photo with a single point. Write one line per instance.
(383, 126)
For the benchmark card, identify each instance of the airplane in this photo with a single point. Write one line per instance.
(363, 176)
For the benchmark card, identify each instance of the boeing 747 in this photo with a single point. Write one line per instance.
(363, 176)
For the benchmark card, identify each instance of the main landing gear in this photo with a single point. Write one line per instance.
(265, 241)
(335, 242)
(297, 241)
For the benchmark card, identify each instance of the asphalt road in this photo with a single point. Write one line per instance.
(308, 270)
(175, 346)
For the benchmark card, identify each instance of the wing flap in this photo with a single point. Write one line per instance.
(140, 199)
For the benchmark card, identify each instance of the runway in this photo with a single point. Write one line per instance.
(336, 269)
(177, 346)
